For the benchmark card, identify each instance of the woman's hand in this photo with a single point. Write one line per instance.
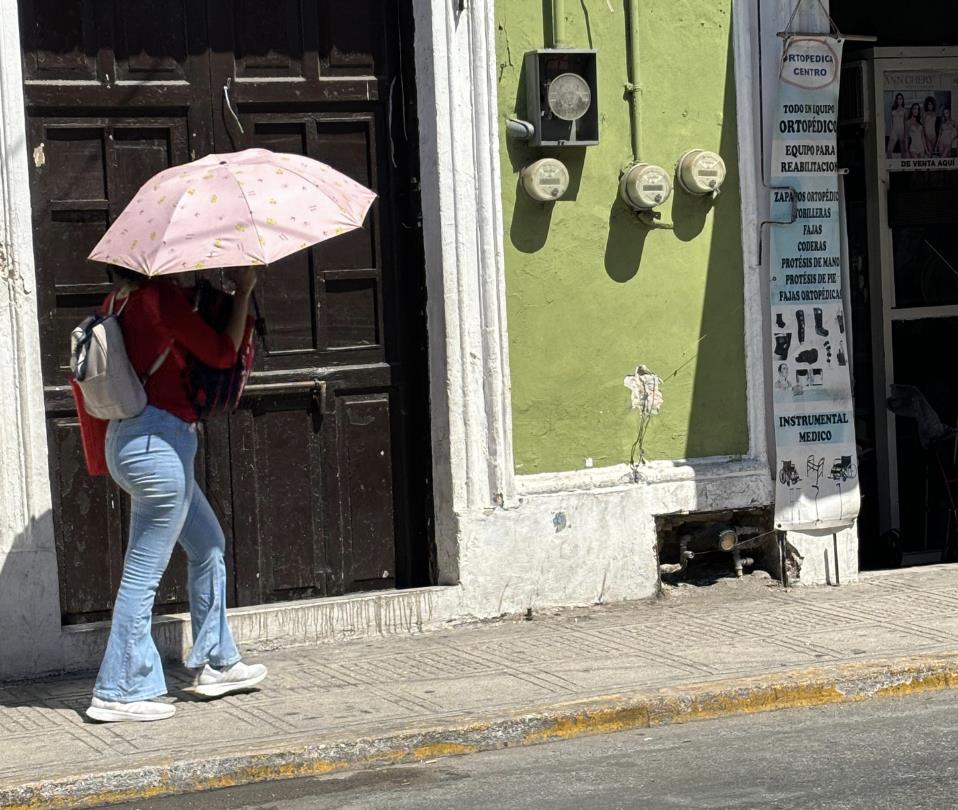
(244, 278)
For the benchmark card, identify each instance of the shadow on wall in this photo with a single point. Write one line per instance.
(29, 601)
(718, 418)
(33, 642)
(625, 242)
(690, 212)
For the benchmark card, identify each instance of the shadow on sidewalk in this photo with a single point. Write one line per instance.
(71, 692)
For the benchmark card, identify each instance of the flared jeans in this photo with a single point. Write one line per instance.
(151, 458)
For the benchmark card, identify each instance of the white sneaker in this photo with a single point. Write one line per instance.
(143, 711)
(216, 683)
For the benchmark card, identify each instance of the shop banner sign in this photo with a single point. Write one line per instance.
(920, 133)
(816, 464)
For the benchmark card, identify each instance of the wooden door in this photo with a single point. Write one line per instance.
(322, 476)
(317, 444)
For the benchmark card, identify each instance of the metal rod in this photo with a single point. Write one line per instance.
(838, 576)
(296, 385)
(846, 37)
(632, 87)
(783, 551)
(558, 25)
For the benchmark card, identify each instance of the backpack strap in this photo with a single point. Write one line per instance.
(158, 362)
(113, 303)
(163, 355)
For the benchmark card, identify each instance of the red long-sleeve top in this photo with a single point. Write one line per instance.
(157, 314)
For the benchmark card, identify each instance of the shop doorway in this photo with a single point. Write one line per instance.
(321, 479)
(898, 141)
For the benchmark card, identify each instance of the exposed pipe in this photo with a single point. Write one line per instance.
(632, 85)
(653, 219)
(740, 562)
(558, 25)
(685, 554)
(520, 130)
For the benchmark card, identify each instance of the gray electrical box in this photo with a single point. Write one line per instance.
(561, 99)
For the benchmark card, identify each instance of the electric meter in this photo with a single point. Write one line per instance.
(545, 180)
(562, 95)
(644, 186)
(700, 172)
(569, 96)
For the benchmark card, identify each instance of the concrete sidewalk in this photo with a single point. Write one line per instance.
(697, 652)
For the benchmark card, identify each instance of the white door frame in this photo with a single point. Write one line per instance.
(29, 599)
(470, 387)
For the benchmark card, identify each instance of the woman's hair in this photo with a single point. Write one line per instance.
(896, 105)
(117, 273)
(930, 100)
(946, 111)
(915, 108)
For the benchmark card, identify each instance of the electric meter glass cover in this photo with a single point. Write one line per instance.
(569, 97)
(645, 186)
(562, 96)
(701, 172)
(545, 180)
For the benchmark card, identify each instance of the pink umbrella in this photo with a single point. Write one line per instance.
(245, 208)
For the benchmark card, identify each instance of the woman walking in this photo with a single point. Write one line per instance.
(151, 456)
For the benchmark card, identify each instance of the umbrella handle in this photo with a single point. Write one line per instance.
(259, 323)
(229, 104)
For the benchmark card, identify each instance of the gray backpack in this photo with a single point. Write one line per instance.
(111, 388)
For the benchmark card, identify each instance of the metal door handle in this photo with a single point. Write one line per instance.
(316, 386)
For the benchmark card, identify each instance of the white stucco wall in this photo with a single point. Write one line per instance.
(29, 592)
(594, 540)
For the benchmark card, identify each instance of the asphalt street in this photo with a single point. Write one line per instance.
(891, 753)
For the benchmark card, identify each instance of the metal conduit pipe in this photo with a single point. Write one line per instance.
(648, 218)
(558, 25)
(632, 85)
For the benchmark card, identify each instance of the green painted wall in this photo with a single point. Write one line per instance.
(591, 292)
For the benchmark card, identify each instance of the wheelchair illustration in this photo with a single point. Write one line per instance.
(843, 469)
(788, 475)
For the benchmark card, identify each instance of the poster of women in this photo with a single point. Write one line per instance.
(921, 132)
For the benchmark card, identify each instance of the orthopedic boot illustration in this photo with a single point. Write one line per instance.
(782, 344)
(820, 329)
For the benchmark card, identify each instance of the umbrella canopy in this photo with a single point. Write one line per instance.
(244, 208)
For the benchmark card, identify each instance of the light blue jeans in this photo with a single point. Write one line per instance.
(151, 457)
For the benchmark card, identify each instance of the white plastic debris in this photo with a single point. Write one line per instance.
(646, 388)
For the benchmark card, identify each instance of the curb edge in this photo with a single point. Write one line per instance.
(845, 683)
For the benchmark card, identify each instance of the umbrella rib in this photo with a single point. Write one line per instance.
(168, 226)
(252, 219)
(319, 190)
